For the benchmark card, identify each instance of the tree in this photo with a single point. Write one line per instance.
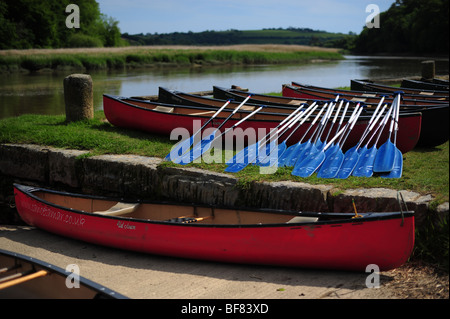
(409, 26)
(41, 24)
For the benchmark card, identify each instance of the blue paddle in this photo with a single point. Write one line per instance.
(283, 157)
(183, 146)
(319, 144)
(364, 167)
(303, 147)
(352, 156)
(332, 124)
(397, 169)
(296, 147)
(242, 155)
(251, 155)
(201, 147)
(274, 151)
(309, 165)
(333, 160)
(334, 147)
(384, 160)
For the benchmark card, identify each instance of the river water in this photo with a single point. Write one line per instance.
(42, 93)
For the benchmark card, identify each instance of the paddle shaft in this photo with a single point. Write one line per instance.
(334, 120)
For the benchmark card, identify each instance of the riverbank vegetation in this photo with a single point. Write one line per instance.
(149, 56)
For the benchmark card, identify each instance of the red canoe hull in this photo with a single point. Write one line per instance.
(132, 116)
(349, 245)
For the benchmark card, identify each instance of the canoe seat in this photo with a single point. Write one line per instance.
(302, 219)
(165, 109)
(119, 209)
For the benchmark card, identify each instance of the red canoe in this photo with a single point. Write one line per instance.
(164, 118)
(295, 239)
(315, 92)
(367, 85)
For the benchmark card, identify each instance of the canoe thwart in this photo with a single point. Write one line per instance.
(20, 280)
(303, 219)
(119, 209)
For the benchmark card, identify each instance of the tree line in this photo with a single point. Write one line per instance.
(408, 26)
(300, 36)
(26, 24)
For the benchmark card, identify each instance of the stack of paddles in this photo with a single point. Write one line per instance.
(318, 154)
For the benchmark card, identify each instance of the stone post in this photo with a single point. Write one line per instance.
(428, 70)
(78, 97)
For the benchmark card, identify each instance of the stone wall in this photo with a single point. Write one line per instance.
(139, 177)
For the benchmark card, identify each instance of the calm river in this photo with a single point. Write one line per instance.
(43, 93)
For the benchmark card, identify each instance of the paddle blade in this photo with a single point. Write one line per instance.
(291, 158)
(331, 165)
(331, 150)
(285, 156)
(348, 165)
(384, 160)
(364, 168)
(243, 155)
(274, 155)
(309, 165)
(179, 149)
(236, 167)
(397, 170)
(198, 150)
(298, 155)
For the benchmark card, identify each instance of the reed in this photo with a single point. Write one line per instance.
(87, 60)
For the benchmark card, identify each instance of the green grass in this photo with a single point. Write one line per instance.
(138, 58)
(96, 135)
(425, 170)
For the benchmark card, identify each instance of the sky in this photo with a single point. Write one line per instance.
(167, 16)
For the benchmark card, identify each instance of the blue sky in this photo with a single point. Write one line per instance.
(166, 16)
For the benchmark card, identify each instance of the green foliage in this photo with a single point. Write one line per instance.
(432, 242)
(78, 40)
(29, 24)
(409, 26)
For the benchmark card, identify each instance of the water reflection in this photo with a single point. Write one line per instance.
(43, 93)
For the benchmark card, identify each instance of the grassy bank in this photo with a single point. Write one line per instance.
(425, 170)
(116, 58)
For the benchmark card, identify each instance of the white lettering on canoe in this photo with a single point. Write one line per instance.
(54, 214)
(124, 225)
